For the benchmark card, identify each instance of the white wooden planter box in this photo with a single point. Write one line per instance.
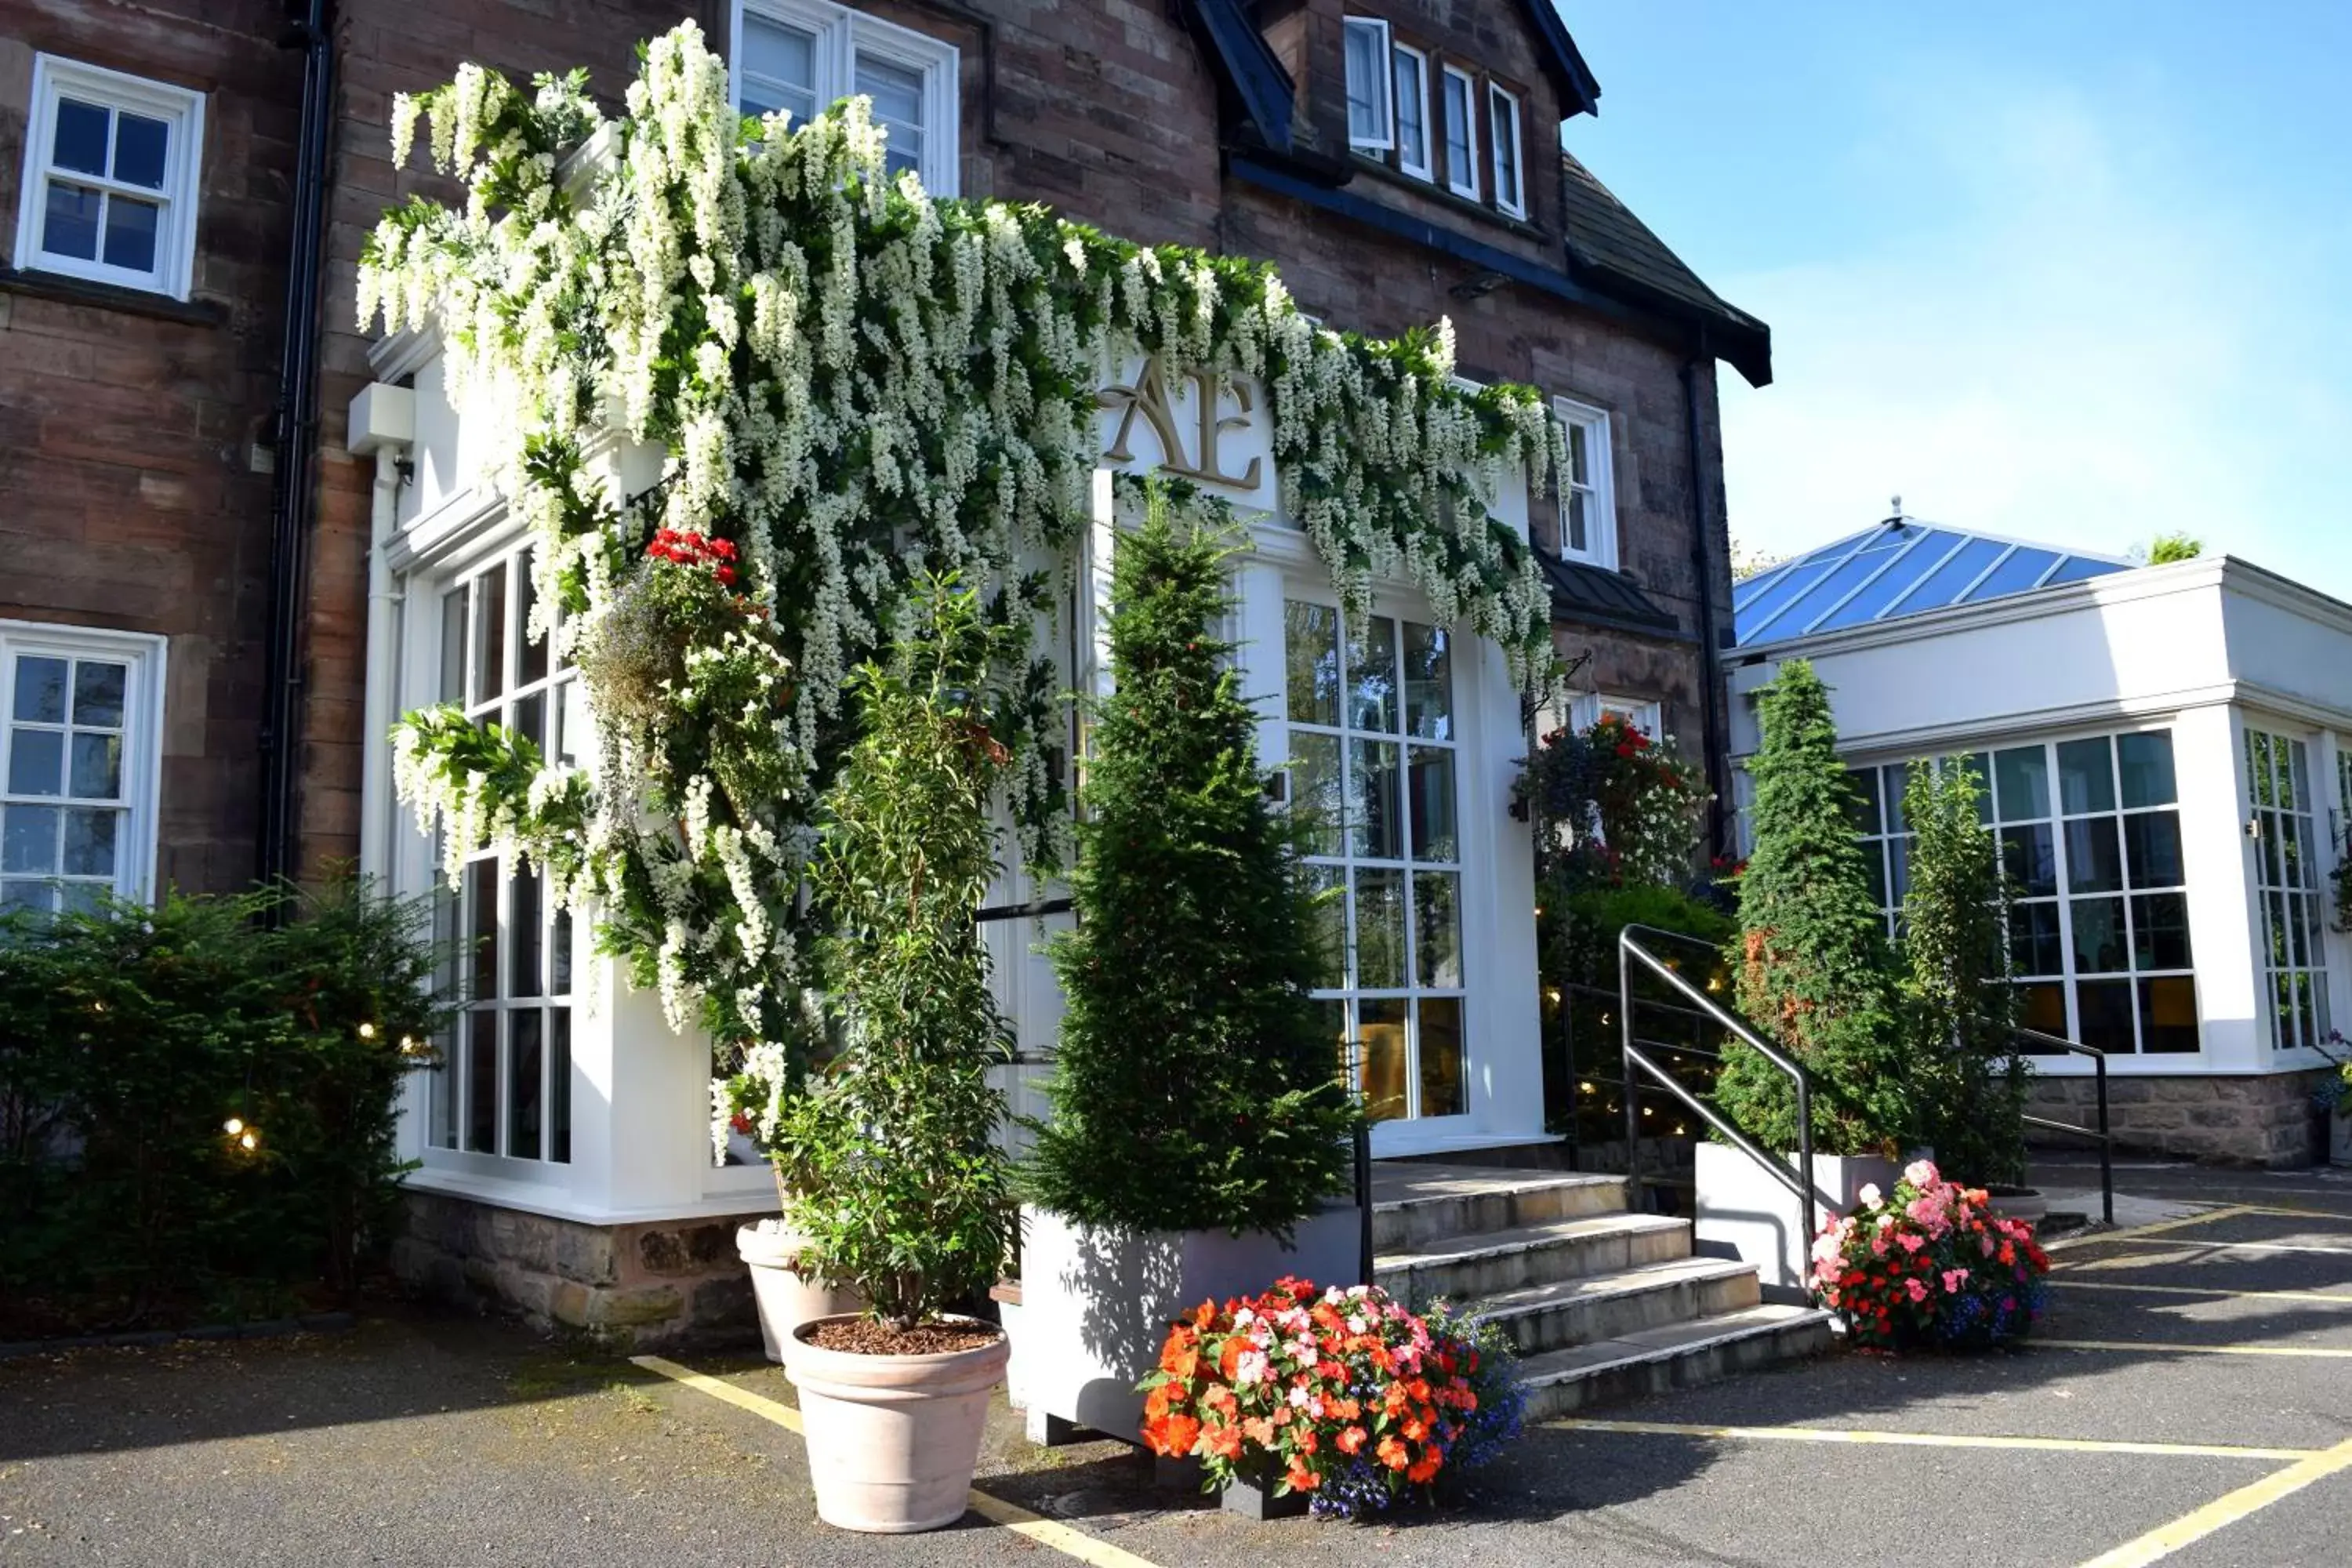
(1096, 1304)
(1743, 1212)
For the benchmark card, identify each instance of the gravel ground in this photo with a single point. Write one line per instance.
(431, 1440)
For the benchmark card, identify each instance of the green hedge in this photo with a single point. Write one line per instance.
(132, 1038)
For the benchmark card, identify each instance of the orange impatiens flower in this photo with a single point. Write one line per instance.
(1301, 1479)
(1353, 1439)
(1393, 1454)
(1224, 1441)
(1178, 1436)
(1425, 1469)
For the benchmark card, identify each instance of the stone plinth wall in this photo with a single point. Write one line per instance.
(665, 1282)
(2263, 1120)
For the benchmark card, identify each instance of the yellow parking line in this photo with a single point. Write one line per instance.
(2318, 1353)
(1050, 1532)
(2154, 1227)
(1927, 1439)
(2226, 1511)
(2199, 1242)
(2327, 1298)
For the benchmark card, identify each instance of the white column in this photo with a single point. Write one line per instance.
(2224, 917)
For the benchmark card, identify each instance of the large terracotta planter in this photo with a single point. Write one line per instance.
(1096, 1304)
(892, 1439)
(1743, 1212)
(785, 1300)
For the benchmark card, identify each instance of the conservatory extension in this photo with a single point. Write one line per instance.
(2168, 751)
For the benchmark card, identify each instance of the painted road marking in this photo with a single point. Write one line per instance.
(1050, 1532)
(2155, 1227)
(2317, 1352)
(2329, 1298)
(2226, 1511)
(1927, 1439)
(2191, 1242)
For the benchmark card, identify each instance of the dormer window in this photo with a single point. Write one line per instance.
(1503, 133)
(1432, 117)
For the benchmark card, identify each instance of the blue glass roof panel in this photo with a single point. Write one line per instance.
(1897, 569)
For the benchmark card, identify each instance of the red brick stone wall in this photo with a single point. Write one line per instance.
(1107, 111)
(134, 489)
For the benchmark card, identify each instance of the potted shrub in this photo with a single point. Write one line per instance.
(1930, 1264)
(1813, 968)
(1199, 1131)
(897, 1185)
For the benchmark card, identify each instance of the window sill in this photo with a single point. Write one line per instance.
(1452, 201)
(69, 291)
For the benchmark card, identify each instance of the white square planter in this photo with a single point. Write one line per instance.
(1096, 1304)
(1743, 1212)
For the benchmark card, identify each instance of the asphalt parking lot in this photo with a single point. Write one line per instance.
(2189, 1400)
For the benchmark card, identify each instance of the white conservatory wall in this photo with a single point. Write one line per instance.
(2202, 647)
(639, 1098)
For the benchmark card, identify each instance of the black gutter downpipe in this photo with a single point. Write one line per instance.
(1703, 571)
(296, 436)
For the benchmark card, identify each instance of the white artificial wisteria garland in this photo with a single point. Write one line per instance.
(852, 381)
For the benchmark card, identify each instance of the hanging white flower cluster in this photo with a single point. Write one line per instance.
(853, 381)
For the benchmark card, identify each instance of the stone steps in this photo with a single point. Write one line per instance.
(1603, 1303)
(1678, 1355)
(1414, 1206)
(1485, 1263)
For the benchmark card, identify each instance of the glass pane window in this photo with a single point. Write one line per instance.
(2285, 851)
(1369, 125)
(801, 56)
(1588, 522)
(1459, 96)
(1375, 777)
(897, 94)
(779, 69)
(1411, 75)
(503, 1087)
(1503, 135)
(2088, 834)
(65, 804)
(109, 176)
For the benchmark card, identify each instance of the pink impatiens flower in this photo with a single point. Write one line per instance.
(1953, 1279)
(1919, 1292)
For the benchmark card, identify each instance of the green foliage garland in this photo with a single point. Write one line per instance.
(1196, 1085)
(1811, 958)
(851, 383)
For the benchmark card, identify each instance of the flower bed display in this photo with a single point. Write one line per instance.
(1340, 1395)
(1930, 1265)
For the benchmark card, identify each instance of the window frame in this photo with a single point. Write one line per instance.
(1586, 709)
(1407, 864)
(142, 767)
(1384, 138)
(1501, 97)
(1474, 188)
(2277, 887)
(842, 34)
(181, 109)
(1599, 486)
(1427, 169)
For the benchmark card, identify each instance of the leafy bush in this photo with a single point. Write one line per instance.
(895, 1182)
(1970, 1081)
(1813, 964)
(1196, 1084)
(1929, 1264)
(197, 1111)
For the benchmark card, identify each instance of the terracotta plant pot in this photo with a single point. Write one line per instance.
(892, 1439)
(785, 1300)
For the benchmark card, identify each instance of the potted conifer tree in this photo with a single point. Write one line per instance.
(1813, 968)
(1199, 1132)
(899, 1189)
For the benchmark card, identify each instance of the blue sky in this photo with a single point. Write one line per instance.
(2079, 272)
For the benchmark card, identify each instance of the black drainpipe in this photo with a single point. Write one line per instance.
(296, 436)
(1702, 573)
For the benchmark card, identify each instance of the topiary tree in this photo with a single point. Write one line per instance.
(1811, 955)
(1970, 1079)
(895, 1183)
(1196, 1086)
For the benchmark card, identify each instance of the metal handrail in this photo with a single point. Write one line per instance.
(1628, 949)
(2104, 1139)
